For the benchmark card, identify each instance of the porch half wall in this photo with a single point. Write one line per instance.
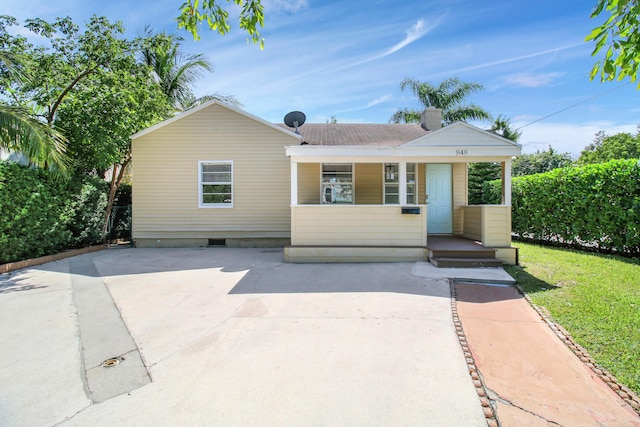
(352, 233)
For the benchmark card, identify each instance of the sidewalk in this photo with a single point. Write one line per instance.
(532, 378)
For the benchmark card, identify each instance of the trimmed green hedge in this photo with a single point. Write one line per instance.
(40, 216)
(595, 206)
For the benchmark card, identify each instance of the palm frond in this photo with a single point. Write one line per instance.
(42, 145)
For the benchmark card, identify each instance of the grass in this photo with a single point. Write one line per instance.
(595, 297)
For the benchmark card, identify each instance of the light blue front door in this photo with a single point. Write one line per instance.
(439, 199)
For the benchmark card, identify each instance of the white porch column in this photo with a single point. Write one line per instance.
(403, 183)
(506, 182)
(294, 183)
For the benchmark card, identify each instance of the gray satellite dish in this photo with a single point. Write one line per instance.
(295, 119)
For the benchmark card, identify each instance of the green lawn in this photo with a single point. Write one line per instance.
(595, 297)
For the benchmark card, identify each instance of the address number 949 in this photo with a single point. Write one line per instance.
(464, 152)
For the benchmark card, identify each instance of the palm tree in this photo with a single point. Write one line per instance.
(21, 132)
(448, 96)
(177, 72)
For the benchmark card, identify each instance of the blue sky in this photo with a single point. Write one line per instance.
(347, 59)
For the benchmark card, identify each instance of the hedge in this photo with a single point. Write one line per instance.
(40, 216)
(594, 206)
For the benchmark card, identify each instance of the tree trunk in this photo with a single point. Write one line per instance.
(116, 180)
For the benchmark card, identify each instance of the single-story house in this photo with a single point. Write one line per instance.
(217, 175)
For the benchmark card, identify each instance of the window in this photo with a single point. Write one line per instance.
(412, 179)
(392, 183)
(215, 184)
(337, 183)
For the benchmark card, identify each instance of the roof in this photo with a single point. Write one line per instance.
(207, 105)
(347, 134)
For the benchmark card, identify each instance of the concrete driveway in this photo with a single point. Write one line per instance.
(230, 337)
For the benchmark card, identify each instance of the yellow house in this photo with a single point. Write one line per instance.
(216, 175)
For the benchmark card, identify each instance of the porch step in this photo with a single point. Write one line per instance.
(479, 252)
(467, 262)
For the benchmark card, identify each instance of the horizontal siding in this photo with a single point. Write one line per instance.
(368, 184)
(473, 222)
(497, 226)
(308, 183)
(459, 171)
(165, 176)
(489, 224)
(355, 225)
(422, 184)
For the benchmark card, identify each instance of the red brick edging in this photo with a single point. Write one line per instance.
(488, 405)
(621, 390)
(10, 266)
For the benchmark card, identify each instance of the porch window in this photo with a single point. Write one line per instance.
(215, 184)
(412, 179)
(337, 183)
(391, 184)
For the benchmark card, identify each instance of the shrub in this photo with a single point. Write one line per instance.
(595, 206)
(40, 216)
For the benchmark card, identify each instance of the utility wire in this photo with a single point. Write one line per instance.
(576, 104)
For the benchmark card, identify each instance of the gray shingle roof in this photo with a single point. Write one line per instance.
(383, 135)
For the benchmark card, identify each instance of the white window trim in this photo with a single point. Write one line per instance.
(415, 185)
(200, 183)
(402, 189)
(353, 182)
(384, 184)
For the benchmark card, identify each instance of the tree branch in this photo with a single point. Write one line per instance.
(64, 93)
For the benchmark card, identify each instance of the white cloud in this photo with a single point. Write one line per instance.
(379, 100)
(514, 59)
(416, 32)
(532, 80)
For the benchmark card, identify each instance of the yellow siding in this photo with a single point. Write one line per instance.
(308, 183)
(422, 184)
(490, 224)
(497, 226)
(473, 222)
(353, 225)
(165, 178)
(368, 184)
(459, 171)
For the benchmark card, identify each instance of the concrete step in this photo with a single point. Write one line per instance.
(445, 262)
(461, 253)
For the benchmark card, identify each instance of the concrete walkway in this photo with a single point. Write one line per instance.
(230, 337)
(532, 377)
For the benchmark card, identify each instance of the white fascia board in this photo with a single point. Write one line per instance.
(359, 154)
(209, 104)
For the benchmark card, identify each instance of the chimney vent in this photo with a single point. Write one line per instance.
(432, 118)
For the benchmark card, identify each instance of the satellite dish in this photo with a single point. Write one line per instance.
(295, 119)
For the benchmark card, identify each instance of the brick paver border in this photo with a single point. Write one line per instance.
(11, 266)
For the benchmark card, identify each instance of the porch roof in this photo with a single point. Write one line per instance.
(456, 143)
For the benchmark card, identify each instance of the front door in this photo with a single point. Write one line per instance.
(439, 199)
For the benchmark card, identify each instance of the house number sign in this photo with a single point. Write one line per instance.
(462, 152)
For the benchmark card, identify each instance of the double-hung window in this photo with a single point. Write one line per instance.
(412, 179)
(215, 184)
(392, 183)
(337, 183)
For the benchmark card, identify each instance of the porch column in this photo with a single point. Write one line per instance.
(294, 183)
(403, 183)
(506, 182)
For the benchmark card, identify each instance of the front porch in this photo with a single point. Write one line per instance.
(384, 203)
